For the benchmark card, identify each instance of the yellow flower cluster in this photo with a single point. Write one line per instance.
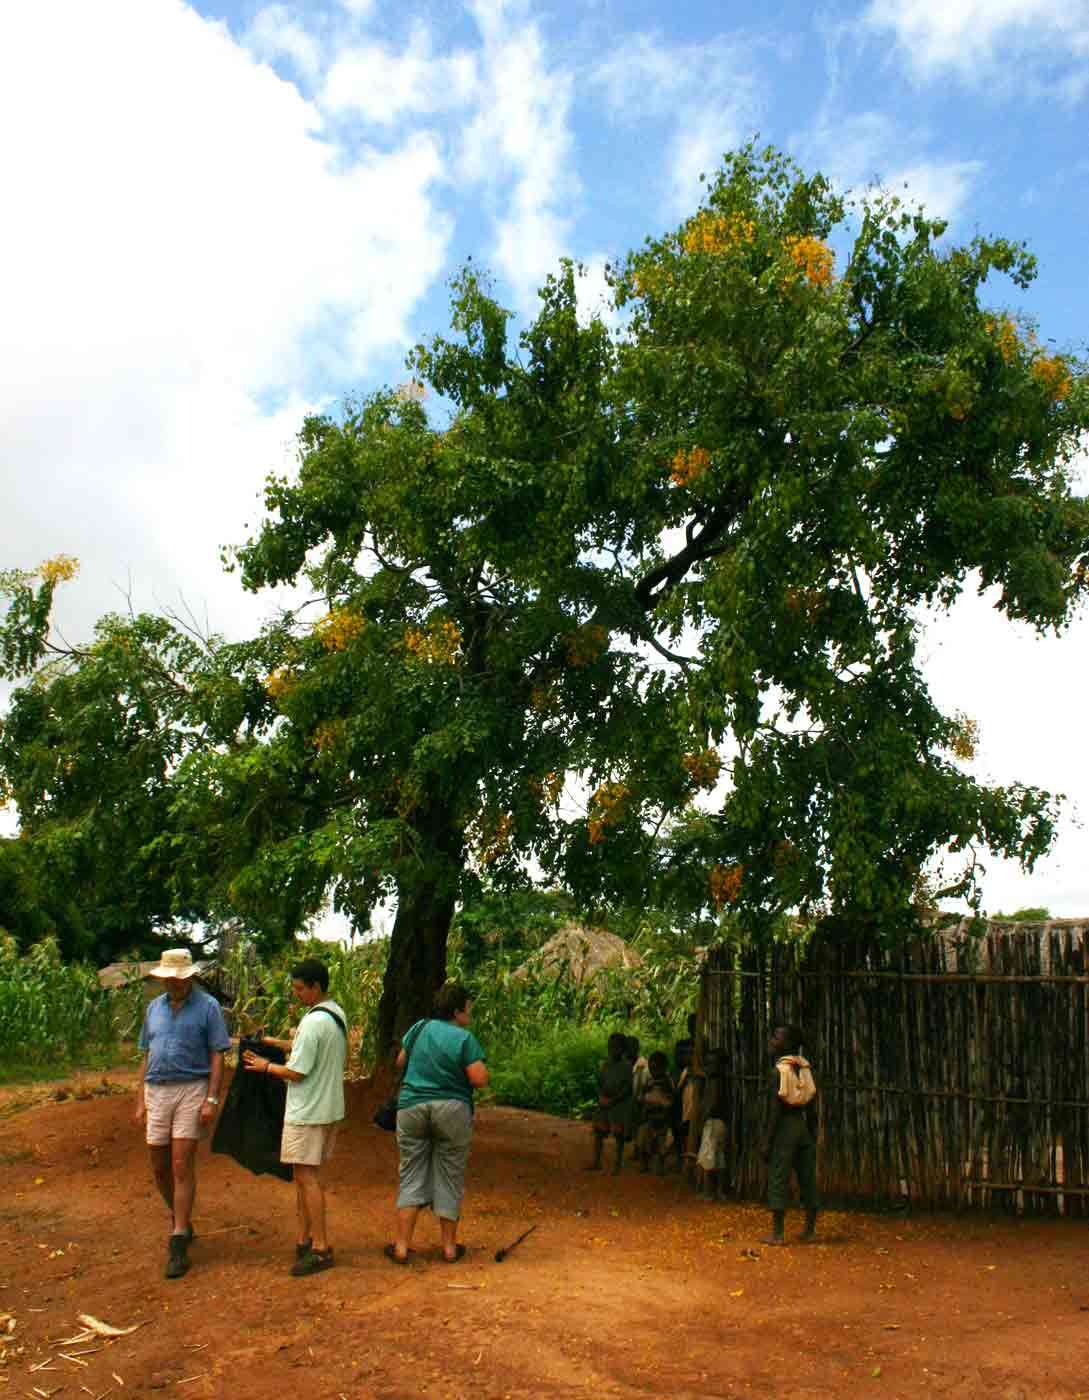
(650, 280)
(966, 738)
(412, 392)
(548, 788)
(688, 466)
(541, 699)
(717, 233)
(339, 628)
(439, 644)
(725, 883)
(497, 841)
(703, 767)
(1005, 336)
(59, 569)
(606, 809)
(280, 684)
(327, 735)
(812, 258)
(586, 645)
(805, 602)
(1052, 372)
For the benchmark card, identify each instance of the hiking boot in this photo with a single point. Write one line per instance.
(302, 1250)
(177, 1259)
(313, 1262)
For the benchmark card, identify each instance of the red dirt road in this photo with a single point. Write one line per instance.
(626, 1289)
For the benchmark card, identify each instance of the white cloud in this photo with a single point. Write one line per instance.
(870, 149)
(976, 39)
(520, 145)
(274, 34)
(707, 92)
(179, 242)
(382, 86)
(941, 187)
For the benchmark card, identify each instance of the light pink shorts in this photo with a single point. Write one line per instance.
(173, 1111)
(308, 1144)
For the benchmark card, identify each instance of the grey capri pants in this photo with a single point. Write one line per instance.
(433, 1140)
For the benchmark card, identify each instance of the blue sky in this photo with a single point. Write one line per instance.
(221, 215)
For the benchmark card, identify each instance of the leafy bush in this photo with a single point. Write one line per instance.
(557, 1073)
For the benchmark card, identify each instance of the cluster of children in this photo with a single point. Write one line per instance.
(639, 1101)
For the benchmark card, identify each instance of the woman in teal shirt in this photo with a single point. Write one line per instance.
(442, 1063)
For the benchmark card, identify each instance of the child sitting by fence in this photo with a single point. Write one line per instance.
(712, 1154)
(656, 1103)
(614, 1104)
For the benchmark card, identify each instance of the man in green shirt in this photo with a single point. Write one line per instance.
(315, 1105)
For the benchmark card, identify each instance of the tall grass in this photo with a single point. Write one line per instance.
(50, 1012)
(545, 1034)
(260, 992)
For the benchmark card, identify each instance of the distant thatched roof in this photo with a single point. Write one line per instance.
(123, 973)
(581, 952)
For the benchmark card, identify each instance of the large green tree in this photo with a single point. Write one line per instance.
(684, 554)
(612, 569)
(88, 751)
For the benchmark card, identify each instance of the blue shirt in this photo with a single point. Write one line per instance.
(180, 1043)
(438, 1053)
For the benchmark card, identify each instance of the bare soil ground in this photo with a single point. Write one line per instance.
(628, 1288)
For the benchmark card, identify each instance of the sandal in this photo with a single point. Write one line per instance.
(314, 1261)
(391, 1254)
(459, 1254)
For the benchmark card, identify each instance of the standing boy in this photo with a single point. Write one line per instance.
(614, 1103)
(183, 1039)
(792, 1132)
(315, 1106)
(657, 1107)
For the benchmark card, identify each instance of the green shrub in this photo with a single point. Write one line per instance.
(557, 1073)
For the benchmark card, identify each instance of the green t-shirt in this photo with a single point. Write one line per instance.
(438, 1054)
(318, 1052)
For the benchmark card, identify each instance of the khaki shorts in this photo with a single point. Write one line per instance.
(308, 1144)
(173, 1111)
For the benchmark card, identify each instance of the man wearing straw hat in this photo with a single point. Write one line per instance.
(183, 1039)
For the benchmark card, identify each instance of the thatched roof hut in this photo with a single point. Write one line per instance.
(580, 953)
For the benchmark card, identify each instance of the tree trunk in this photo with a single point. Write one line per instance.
(417, 961)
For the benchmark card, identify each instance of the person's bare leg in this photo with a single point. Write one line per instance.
(183, 1157)
(311, 1195)
(406, 1226)
(302, 1234)
(449, 1230)
(163, 1172)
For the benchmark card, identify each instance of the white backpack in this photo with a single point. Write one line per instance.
(796, 1083)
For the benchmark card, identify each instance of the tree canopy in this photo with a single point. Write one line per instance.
(674, 562)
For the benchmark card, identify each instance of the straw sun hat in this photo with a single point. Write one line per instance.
(175, 962)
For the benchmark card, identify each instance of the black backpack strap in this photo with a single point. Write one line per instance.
(336, 1018)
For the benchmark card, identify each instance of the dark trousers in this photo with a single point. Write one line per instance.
(792, 1151)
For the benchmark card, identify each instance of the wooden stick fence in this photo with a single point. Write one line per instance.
(953, 1070)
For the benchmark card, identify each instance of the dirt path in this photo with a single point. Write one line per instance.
(626, 1289)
